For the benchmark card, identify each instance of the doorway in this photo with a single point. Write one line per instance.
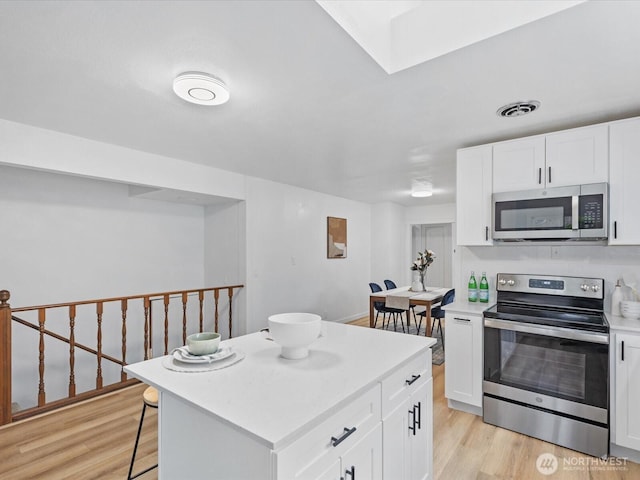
(435, 237)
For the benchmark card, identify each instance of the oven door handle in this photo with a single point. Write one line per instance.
(549, 331)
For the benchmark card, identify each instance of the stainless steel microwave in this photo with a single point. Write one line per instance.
(561, 213)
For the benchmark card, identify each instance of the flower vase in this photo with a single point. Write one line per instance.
(422, 286)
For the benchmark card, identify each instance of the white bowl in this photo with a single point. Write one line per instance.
(294, 332)
(203, 343)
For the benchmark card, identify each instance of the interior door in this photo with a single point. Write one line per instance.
(436, 237)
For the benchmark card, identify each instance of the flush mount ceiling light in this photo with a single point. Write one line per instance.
(517, 109)
(200, 88)
(421, 188)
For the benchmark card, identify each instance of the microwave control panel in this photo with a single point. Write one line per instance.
(591, 213)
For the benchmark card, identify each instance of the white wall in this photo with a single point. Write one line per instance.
(68, 239)
(608, 262)
(32, 147)
(225, 248)
(287, 265)
(388, 244)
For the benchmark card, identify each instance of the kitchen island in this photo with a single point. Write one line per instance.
(266, 417)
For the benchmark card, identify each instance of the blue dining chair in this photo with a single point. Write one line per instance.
(380, 307)
(438, 314)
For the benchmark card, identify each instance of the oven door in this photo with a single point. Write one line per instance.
(547, 367)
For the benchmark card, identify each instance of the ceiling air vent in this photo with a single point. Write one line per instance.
(518, 109)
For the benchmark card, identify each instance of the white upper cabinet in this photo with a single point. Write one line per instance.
(578, 156)
(473, 196)
(518, 164)
(571, 157)
(624, 172)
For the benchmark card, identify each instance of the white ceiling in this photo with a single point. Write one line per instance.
(309, 106)
(399, 34)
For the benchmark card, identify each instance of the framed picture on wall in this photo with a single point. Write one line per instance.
(336, 237)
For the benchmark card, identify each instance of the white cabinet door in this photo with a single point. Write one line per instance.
(627, 415)
(463, 358)
(624, 171)
(408, 437)
(519, 164)
(571, 157)
(322, 471)
(395, 435)
(420, 444)
(577, 156)
(364, 459)
(473, 196)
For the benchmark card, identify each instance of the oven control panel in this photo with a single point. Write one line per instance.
(551, 285)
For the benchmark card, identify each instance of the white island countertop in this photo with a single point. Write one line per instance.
(273, 399)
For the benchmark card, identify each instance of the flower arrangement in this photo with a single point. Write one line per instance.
(422, 263)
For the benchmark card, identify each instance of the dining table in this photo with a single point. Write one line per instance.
(404, 298)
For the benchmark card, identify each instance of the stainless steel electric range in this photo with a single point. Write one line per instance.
(546, 360)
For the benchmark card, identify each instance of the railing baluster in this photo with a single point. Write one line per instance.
(216, 295)
(41, 394)
(72, 350)
(123, 308)
(230, 292)
(184, 318)
(99, 310)
(147, 304)
(166, 324)
(8, 316)
(5, 358)
(201, 299)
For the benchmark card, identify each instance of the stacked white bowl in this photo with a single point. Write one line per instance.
(630, 309)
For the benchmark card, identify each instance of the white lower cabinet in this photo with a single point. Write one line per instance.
(407, 427)
(362, 460)
(463, 359)
(386, 433)
(627, 390)
(350, 440)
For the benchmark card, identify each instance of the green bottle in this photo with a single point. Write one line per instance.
(483, 295)
(473, 288)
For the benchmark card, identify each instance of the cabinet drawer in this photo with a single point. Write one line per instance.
(403, 382)
(317, 447)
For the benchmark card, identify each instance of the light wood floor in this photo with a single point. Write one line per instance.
(94, 440)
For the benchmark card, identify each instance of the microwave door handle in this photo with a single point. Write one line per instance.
(575, 210)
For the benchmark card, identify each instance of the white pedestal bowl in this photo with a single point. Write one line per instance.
(294, 332)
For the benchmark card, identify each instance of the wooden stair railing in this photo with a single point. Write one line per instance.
(7, 316)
